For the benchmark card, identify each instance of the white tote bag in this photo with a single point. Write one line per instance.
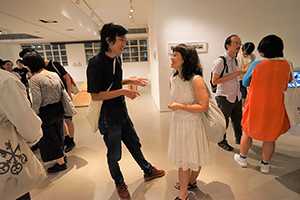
(20, 170)
(69, 108)
(214, 121)
(94, 110)
(292, 102)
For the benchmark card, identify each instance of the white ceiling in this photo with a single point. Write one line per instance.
(75, 22)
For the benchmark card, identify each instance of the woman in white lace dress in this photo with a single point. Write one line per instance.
(188, 144)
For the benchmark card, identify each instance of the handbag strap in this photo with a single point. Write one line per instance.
(114, 71)
(192, 86)
(55, 68)
(62, 84)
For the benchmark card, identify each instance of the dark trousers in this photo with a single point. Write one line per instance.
(234, 111)
(243, 90)
(51, 144)
(113, 135)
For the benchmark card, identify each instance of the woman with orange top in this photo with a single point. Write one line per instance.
(264, 115)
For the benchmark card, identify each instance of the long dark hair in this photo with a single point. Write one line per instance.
(191, 63)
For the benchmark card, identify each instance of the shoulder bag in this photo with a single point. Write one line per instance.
(94, 110)
(292, 101)
(20, 170)
(214, 121)
(69, 108)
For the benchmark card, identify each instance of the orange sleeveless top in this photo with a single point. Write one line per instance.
(264, 116)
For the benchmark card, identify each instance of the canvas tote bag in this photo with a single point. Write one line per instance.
(214, 121)
(292, 101)
(94, 110)
(20, 170)
(69, 108)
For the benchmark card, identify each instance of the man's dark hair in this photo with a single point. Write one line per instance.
(34, 61)
(271, 46)
(228, 40)
(110, 31)
(20, 60)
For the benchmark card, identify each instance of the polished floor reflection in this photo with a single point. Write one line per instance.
(87, 176)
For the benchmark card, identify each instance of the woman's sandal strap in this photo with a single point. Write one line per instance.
(194, 185)
(177, 198)
(190, 186)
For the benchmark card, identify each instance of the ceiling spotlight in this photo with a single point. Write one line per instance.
(131, 7)
(130, 15)
(77, 2)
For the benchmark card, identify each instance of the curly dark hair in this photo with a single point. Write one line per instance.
(191, 62)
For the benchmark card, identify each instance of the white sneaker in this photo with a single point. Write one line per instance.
(241, 161)
(264, 168)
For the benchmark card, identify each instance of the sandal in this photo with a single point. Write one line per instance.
(177, 198)
(225, 146)
(190, 186)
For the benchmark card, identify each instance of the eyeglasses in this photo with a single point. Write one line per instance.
(238, 43)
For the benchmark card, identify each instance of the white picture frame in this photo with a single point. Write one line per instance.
(201, 47)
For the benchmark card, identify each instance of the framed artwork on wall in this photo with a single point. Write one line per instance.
(201, 47)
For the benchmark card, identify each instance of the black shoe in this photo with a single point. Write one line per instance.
(66, 140)
(70, 146)
(57, 168)
(238, 142)
(224, 145)
(35, 147)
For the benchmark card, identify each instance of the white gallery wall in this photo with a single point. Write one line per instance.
(9, 51)
(212, 21)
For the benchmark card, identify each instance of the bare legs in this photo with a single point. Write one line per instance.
(61, 160)
(69, 129)
(246, 143)
(268, 148)
(186, 177)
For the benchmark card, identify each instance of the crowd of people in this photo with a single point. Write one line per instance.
(244, 88)
(42, 82)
